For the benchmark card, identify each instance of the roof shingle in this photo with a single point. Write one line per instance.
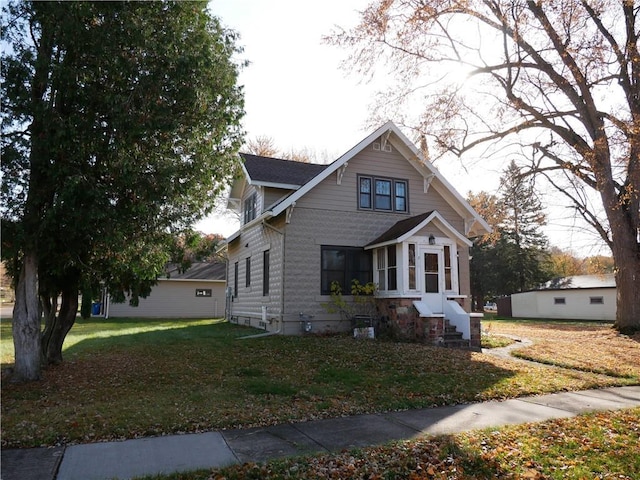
(400, 228)
(277, 170)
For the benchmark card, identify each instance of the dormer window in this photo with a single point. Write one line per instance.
(250, 208)
(382, 194)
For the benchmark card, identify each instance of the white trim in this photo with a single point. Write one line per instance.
(286, 186)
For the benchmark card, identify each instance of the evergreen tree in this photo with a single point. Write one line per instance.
(120, 126)
(523, 247)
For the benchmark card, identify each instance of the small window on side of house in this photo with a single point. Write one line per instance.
(596, 300)
(392, 268)
(412, 266)
(235, 279)
(559, 301)
(250, 208)
(248, 272)
(265, 273)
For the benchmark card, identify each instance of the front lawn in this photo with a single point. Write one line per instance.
(129, 378)
(586, 346)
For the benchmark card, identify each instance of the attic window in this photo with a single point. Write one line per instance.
(383, 194)
(250, 208)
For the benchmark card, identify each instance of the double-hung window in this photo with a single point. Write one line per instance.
(412, 266)
(265, 273)
(235, 279)
(383, 194)
(250, 208)
(387, 267)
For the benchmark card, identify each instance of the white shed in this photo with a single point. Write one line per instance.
(199, 292)
(580, 297)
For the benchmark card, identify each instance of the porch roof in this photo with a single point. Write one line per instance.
(404, 229)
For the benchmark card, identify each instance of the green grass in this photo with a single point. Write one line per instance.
(127, 378)
(495, 341)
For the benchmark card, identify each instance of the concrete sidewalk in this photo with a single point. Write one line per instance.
(172, 453)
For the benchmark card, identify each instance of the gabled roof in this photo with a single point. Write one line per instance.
(197, 271)
(474, 224)
(276, 172)
(405, 229)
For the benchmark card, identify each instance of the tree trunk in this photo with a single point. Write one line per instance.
(26, 322)
(58, 326)
(627, 259)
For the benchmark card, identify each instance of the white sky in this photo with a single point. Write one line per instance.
(296, 94)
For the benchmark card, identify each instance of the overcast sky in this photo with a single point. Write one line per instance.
(296, 93)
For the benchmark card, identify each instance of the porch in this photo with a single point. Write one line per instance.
(406, 322)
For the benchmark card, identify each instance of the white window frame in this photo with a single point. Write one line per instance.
(381, 267)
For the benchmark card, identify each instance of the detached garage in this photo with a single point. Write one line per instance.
(581, 297)
(198, 292)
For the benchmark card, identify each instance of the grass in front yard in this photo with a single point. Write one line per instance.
(586, 346)
(129, 378)
(599, 445)
(495, 341)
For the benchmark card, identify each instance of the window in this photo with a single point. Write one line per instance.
(250, 207)
(596, 300)
(381, 261)
(365, 192)
(448, 282)
(387, 268)
(400, 196)
(342, 265)
(265, 273)
(412, 266)
(235, 279)
(431, 277)
(392, 268)
(559, 301)
(385, 194)
(247, 282)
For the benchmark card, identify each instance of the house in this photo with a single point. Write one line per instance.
(380, 213)
(198, 292)
(579, 297)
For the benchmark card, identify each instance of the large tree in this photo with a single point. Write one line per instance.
(515, 256)
(120, 126)
(559, 80)
(524, 245)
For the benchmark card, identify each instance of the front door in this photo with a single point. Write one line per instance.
(433, 278)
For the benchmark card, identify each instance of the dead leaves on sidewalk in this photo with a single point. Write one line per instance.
(602, 445)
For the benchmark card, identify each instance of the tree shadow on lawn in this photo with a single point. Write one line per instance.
(202, 377)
